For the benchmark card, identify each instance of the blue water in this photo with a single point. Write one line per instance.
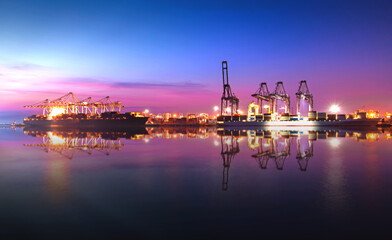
(195, 184)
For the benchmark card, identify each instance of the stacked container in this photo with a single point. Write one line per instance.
(312, 115)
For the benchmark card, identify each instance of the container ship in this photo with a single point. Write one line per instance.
(314, 119)
(273, 109)
(107, 119)
(68, 112)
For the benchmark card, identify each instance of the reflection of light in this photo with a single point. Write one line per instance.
(216, 108)
(334, 108)
(55, 111)
(334, 142)
(266, 106)
(216, 143)
(55, 140)
(146, 140)
(266, 145)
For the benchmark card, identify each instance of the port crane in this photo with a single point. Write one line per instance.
(303, 93)
(229, 148)
(69, 104)
(229, 102)
(263, 94)
(280, 95)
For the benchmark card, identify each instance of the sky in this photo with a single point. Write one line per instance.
(166, 55)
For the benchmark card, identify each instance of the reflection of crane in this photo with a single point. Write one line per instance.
(68, 147)
(280, 156)
(304, 93)
(262, 156)
(230, 148)
(229, 102)
(281, 95)
(269, 148)
(263, 94)
(303, 157)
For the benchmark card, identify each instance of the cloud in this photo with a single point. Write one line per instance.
(22, 66)
(96, 82)
(157, 85)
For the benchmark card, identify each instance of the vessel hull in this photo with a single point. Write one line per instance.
(305, 123)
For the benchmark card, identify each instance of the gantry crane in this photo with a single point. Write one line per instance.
(263, 94)
(303, 93)
(281, 95)
(229, 149)
(229, 102)
(69, 104)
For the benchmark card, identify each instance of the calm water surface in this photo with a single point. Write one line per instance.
(195, 184)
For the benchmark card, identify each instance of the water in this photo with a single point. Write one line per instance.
(195, 184)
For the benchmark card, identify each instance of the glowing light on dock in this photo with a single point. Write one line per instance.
(55, 112)
(334, 108)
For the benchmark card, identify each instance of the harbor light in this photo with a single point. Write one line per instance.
(266, 106)
(55, 111)
(216, 108)
(146, 111)
(334, 108)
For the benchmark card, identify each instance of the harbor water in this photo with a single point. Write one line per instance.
(195, 183)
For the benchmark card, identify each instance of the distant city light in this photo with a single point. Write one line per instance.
(216, 108)
(334, 108)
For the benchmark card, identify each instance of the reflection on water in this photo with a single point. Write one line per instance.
(275, 145)
(270, 146)
(187, 181)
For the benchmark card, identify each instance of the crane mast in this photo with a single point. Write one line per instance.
(69, 104)
(263, 94)
(229, 102)
(280, 95)
(303, 93)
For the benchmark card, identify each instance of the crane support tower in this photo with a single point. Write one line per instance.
(263, 94)
(71, 105)
(229, 102)
(281, 95)
(303, 93)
